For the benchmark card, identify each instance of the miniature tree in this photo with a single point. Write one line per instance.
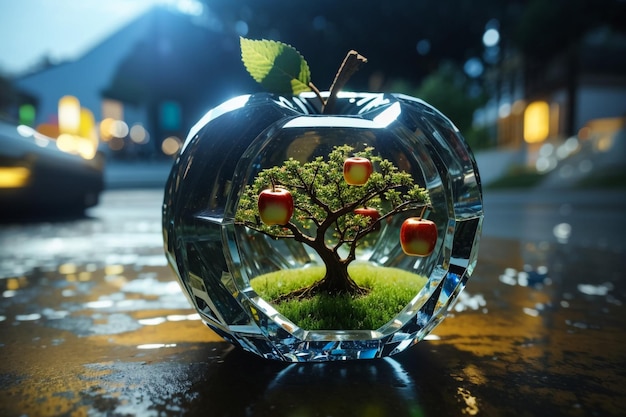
(328, 209)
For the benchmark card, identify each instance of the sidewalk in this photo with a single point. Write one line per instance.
(136, 174)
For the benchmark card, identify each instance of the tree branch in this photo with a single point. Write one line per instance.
(370, 227)
(254, 227)
(311, 216)
(298, 235)
(339, 196)
(342, 235)
(374, 194)
(311, 193)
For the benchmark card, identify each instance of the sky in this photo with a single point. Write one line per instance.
(60, 29)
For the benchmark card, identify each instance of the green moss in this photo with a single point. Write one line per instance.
(391, 289)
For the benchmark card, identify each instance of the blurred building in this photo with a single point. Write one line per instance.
(580, 89)
(146, 84)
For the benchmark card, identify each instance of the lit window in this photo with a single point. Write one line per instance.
(69, 115)
(536, 122)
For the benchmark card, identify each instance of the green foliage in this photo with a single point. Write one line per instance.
(447, 90)
(479, 137)
(323, 201)
(547, 28)
(391, 290)
(278, 67)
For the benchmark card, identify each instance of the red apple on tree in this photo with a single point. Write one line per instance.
(357, 170)
(371, 213)
(275, 206)
(418, 236)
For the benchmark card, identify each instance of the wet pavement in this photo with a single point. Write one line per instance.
(93, 323)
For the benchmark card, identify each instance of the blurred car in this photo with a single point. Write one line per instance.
(39, 180)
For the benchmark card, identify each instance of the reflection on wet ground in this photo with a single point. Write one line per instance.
(93, 323)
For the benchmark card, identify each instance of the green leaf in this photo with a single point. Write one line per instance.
(278, 67)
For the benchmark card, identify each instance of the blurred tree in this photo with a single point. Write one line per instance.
(408, 40)
(452, 92)
(386, 33)
(11, 99)
(546, 28)
(7, 95)
(448, 90)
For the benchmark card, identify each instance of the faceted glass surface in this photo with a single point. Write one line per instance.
(216, 258)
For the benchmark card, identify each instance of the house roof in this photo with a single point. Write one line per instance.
(161, 55)
(177, 59)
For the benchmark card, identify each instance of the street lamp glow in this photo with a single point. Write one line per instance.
(491, 37)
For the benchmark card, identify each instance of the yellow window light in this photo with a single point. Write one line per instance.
(69, 115)
(88, 143)
(536, 122)
(87, 125)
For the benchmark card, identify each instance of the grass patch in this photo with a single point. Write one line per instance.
(612, 179)
(518, 177)
(391, 289)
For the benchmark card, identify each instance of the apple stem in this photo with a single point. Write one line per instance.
(317, 93)
(273, 183)
(423, 211)
(349, 66)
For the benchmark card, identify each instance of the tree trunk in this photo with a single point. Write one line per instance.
(336, 281)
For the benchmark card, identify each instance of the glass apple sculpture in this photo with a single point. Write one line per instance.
(301, 236)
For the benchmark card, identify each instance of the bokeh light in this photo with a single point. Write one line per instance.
(241, 28)
(119, 129)
(473, 67)
(491, 37)
(66, 143)
(69, 115)
(27, 114)
(171, 145)
(106, 126)
(423, 47)
(139, 134)
(111, 128)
